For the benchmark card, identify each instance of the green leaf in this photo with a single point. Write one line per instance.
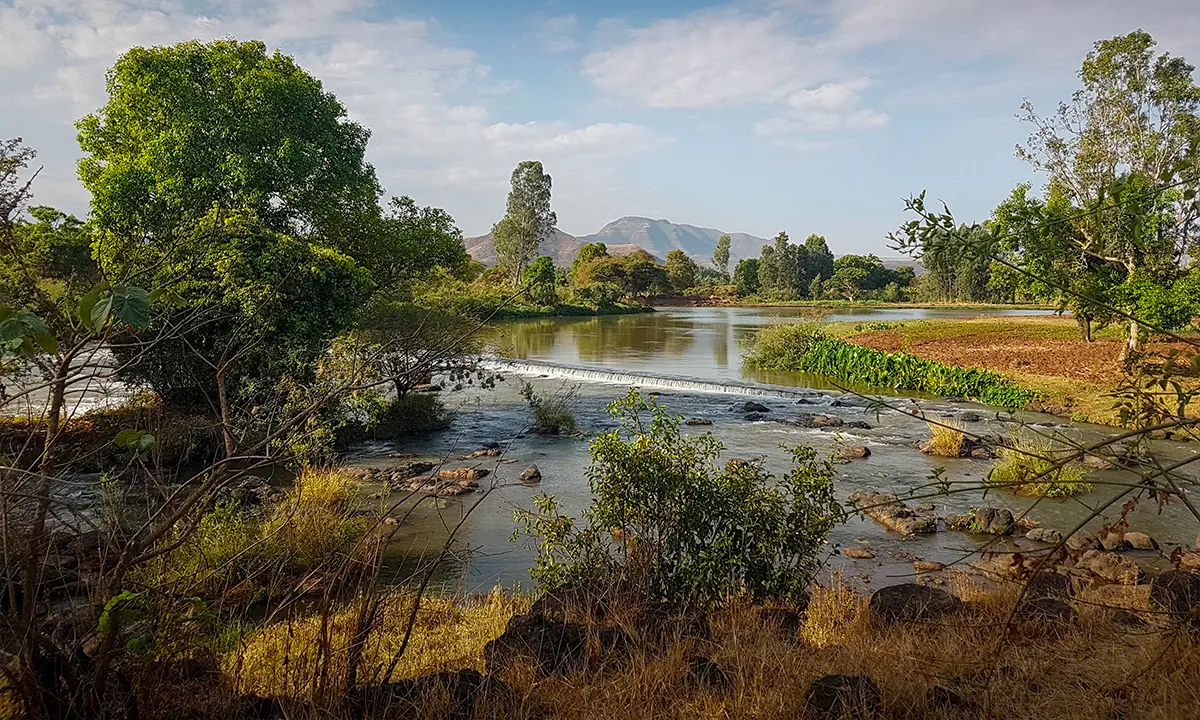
(126, 438)
(87, 305)
(131, 306)
(140, 644)
(145, 444)
(122, 609)
(100, 310)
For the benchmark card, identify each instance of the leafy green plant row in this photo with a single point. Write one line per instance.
(806, 347)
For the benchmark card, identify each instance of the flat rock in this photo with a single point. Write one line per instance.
(1044, 535)
(926, 566)
(856, 452)
(1177, 592)
(697, 421)
(858, 553)
(986, 520)
(1110, 567)
(911, 602)
(1140, 541)
(485, 452)
(1082, 541)
(466, 473)
(888, 511)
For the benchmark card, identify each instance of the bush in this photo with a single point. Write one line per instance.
(1029, 468)
(689, 531)
(805, 347)
(947, 441)
(551, 413)
(597, 294)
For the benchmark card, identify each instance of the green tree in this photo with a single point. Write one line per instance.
(1127, 131)
(196, 126)
(540, 281)
(527, 221)
(818, 259)
(681, 270)
(588, 253)
(721, 254)
(410, 241)
(745, 277)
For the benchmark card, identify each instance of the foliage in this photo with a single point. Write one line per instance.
(637, 274)
(681, 270)
(1031, 466)
(688, 531)
(598, 294)
(540, 281)
(527, 221)
(805, 347)
(745, 277)
(788, 271)
(721, 255)
(551, 413)
(857, 275)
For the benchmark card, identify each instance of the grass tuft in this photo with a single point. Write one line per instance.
(1028, 468)
(948, 440)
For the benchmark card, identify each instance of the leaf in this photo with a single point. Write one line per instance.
(100, 310)
(145, 444)
(140, 644)
(120, 610)
(131, 306)
(126, 438)
(87, 305)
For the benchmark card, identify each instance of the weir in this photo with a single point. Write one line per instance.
(642, 379)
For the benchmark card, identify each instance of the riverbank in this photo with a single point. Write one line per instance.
(983, 651)
(515, 312)
(752, 302)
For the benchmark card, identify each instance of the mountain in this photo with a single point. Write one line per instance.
(560, 246)
(661, 236)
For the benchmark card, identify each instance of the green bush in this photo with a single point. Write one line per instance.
(805, 347)
(1029, 468)
(551, 413)
(688, 531)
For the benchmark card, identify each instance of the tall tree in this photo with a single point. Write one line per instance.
(1125, 134)
(818, 260)
(681, 270)
(527, 221)
(745, 276)
(721, 254)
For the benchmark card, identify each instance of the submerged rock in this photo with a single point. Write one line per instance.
(858, 553)
(1044, 535)
(888, 511)
(697, 421)
(755, 407)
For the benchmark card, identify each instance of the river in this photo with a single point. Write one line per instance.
(693, 358)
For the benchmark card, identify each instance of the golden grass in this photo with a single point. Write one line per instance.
(947, 441)
(1028, 468)
(329, 487)
(1087, 670)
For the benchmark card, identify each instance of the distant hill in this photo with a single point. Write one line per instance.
(658, 237)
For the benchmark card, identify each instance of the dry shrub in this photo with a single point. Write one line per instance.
(948, 440)
(835, 613)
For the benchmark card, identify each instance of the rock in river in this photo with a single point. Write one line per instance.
(755, 407)
(858, 553)
(1110, 567)
(697, 421)
(531, 476)
(856, 452)
(888, 511)
(1044, 535)
(986, 520)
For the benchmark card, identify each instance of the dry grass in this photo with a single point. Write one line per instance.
(947, 441)
(1090, 669)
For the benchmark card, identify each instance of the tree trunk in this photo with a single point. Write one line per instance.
(1085, 326)
(223, 400)
(1133, 343)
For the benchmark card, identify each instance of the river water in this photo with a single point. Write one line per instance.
(692, 357)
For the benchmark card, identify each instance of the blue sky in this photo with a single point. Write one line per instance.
(757, 116)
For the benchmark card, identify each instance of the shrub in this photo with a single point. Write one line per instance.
(689, 531)
(551, 413)
(1029, 468)
(805, 347)
(597, 294)
(947, 441)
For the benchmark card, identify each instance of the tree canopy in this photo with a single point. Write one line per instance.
(528, 219)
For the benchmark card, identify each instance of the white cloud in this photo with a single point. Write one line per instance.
(557, 34)
(427, 103)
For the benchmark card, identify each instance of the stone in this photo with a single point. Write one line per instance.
(848, 402)
(1044, 535)
(466, 473)
(697, 421)
(485, 452)
(427, 388)
(988, 520)
(888, 511)
(819, 421)
(707, 674)
(403, 472)
(926, 508)
(755, 407)
(1110, 567)
(910, 602)
(1082, 541)
(1046, 609)
(1190, 561)
(856, 425)
(927, 566)
(856, 452)
(461, 691)
(858, 553)
(491, 445)
(1047, 583)
(834, 697)
(1140, 541)
(552, 647)
(531, 475)
(1112, 540)
(754, 417)
(1178, 593)
(969, 417)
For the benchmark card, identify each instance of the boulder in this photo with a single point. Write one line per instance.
(893, 514)
(455, 693)
(1190, 561)
(1044, 535)
(1113, 540)
(707, 674)
(1046, 609)
(969, 417)
(1140, 541)
(1110, 567)
(911, 602)
(856, 425)
(755, 407)
(986, 520)
(834, 697)
(856, 452)
(858, 553)
(1081, 542)
(697, 421)
(1178, 593)
(411, 470)
(531, 475)
(552, 647)
(754, 417)
(819, 421)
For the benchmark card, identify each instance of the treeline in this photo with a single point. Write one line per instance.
(786, 271)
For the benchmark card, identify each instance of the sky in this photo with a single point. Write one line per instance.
(758, 116)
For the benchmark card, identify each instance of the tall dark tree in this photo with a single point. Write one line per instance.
(721, 254)
(527, 221)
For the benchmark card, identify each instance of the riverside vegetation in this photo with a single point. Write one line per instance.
(272, 310)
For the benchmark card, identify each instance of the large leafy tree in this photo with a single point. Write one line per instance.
(527, 221)
(541, 280)
(818, 259)
(1110, 153)
(681, 270)
(225, 124)
(745, 276)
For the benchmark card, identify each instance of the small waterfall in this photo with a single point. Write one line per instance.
(641, 379)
